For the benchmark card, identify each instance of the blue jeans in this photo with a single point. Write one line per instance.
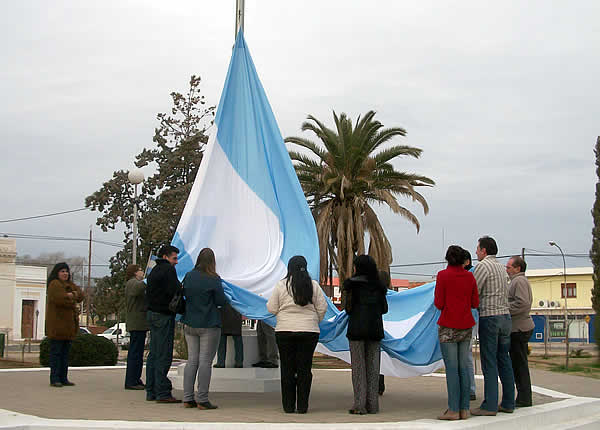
(202, 345)
(59, 360)
(458, 382)
(494, 341)
(135, 358)
(162, 333)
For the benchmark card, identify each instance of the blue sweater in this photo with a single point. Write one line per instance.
(203, 295)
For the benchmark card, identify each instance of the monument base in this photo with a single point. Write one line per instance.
(232, 380)
(238, 380)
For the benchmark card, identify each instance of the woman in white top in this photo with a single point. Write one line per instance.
(299, 304)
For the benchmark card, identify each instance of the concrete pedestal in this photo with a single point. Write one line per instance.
(242, 380)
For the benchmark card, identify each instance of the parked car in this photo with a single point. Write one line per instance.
(84, 330)
(118, 330)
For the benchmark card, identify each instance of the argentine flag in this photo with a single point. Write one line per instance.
(247, 205)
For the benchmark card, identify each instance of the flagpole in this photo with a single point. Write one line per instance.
(239, 17)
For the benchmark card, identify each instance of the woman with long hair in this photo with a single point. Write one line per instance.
(203, 293)
(455, 294)
(299, 304)
(62, 321)
(365, 303)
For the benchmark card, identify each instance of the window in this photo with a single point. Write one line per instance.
(571, 290)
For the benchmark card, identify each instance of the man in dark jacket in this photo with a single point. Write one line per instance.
(137, 326)
(162, 286)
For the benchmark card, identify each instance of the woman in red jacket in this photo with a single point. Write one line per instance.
(455, 295)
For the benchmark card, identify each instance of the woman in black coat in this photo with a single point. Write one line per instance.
(365, 303)
(231, 326)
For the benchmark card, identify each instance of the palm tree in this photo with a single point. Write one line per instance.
(346, 178)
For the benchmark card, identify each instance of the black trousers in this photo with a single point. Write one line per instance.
(59, 360)
(296, 351)
(520, 365)
(135, 358)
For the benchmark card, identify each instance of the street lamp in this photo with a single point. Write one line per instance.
(552, 243)
(136, 177)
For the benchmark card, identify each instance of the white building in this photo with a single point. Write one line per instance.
(22, 296)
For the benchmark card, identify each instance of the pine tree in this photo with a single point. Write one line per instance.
(595, 251)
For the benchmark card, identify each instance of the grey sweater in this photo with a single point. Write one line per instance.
(519, 302)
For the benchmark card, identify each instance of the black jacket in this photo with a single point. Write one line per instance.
(365, 304)
(231, 321)
(162, 285)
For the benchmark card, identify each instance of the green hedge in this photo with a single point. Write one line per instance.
(86, 350)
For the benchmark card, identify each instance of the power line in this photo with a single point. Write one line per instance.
(573, 255)
(43, 216)
(60, 238)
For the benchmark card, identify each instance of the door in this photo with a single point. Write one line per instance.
(27, 319)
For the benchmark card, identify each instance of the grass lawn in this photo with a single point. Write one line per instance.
(581, 366)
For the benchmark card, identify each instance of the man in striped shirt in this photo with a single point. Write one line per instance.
(494, 330)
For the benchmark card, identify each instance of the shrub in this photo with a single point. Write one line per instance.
(86, 350)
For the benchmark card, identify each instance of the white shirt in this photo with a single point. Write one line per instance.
(292, 317)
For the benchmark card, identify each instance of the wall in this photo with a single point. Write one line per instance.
(30, 285)
(548, 288)
(8, 252)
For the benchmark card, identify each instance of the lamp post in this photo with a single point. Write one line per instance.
(136, 177)
(552, 243)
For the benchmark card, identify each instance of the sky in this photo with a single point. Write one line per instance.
(502, 97)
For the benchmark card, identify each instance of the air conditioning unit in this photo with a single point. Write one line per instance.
(543, 304)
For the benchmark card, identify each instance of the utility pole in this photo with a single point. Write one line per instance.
(523, 253)
(566, 292)
(239, 17)
(88, 295)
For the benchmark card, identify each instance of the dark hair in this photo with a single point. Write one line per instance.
(132, 269)
(54, 272)
(167, 250)
(467, 257)
(384, 277)
(364, 265)
(489, 244)
(206, 262)
(455, 255)
(298, 281)
(517, 261)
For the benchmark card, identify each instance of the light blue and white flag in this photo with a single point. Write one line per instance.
(248, 206)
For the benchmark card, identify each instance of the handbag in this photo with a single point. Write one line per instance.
(177, 303)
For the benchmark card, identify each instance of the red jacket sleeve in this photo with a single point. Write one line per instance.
(475, 294)
(440, 296)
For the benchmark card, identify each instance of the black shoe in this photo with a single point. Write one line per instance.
(168, 400)
(301, 411)
(56, 384)
(218, 366)
(134, 387)
(67, 384)
(519, 404)
(473, 397)
(150, 398)
(270, 366)
(289, 411)
(206, 405)
(191, 404)
(238, 365)
(259, 364)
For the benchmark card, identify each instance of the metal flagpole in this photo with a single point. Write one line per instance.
(239, 16)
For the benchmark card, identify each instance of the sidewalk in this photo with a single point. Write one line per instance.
(99, 395)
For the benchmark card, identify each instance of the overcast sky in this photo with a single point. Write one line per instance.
(502, 97)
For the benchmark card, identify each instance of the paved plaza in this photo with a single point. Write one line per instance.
(99, 395)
